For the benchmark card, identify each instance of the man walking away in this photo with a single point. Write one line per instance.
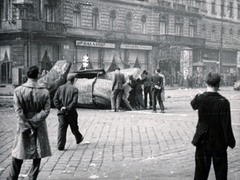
(157, 83)
(146, 79)
(117, 89)
(32, 105)
(65, 100)
(214, 130)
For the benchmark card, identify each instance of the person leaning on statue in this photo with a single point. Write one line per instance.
(214, 130)
(32, 106)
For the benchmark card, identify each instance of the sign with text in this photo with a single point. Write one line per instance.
(95, 44)
(135, 46)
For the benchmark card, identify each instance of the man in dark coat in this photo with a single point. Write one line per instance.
(146, 80)
(32, 106)
(157, 84)
(214, 130)
(65, 100)
(117, 89)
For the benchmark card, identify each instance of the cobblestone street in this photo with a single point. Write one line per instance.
(125, 145)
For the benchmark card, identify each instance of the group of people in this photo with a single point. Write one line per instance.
(153, 88)
(213, 135)
(197, 80)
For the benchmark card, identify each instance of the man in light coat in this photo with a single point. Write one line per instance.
(117, 89)
(32, 106)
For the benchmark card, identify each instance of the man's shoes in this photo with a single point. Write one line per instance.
(79, 141)
(162, 111)
(154, 111)
(113, 110)
(61, 149)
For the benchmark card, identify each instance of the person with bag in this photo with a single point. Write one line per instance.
(32, 106)
(65, 100)
(214, 130)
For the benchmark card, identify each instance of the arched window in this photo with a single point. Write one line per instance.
(129, 22)
(213, 33)
(112, 20)
(77, 17)
(143, 24)
(163, 24)
(95, 18)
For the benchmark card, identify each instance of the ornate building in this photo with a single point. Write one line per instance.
(175, 35)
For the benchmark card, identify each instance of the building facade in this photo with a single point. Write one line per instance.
(177, 36)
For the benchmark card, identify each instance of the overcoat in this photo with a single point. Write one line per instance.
(32, 104)
(214, 129)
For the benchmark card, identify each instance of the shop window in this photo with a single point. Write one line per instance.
(77, 17)
(95, 18)
(163, 24)
(112, 20)
(192, 27)
(129, 22)
(179, 26)
(213, 34)
(143, 24)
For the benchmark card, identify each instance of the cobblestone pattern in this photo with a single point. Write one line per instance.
(123, 145)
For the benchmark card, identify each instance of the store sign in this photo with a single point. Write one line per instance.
(134, 46)
(94, 44)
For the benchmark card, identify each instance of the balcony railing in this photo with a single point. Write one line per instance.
(182, 40)
(179, 7)
(164, 3)
(31, 26)
(193, 9)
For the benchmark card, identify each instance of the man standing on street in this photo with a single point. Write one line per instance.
(214, 130)
(146, 79)
(32, 105)
(157, 84)
(65, 100)
(117, 89)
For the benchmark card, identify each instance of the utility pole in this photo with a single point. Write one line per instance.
(221, 40)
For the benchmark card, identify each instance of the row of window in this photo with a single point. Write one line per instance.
(163, 23)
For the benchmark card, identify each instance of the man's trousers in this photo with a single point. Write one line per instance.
(64, 121)
(156, 96)
(147, 91)
(116, 98)
(16, 165)
(203, 159)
